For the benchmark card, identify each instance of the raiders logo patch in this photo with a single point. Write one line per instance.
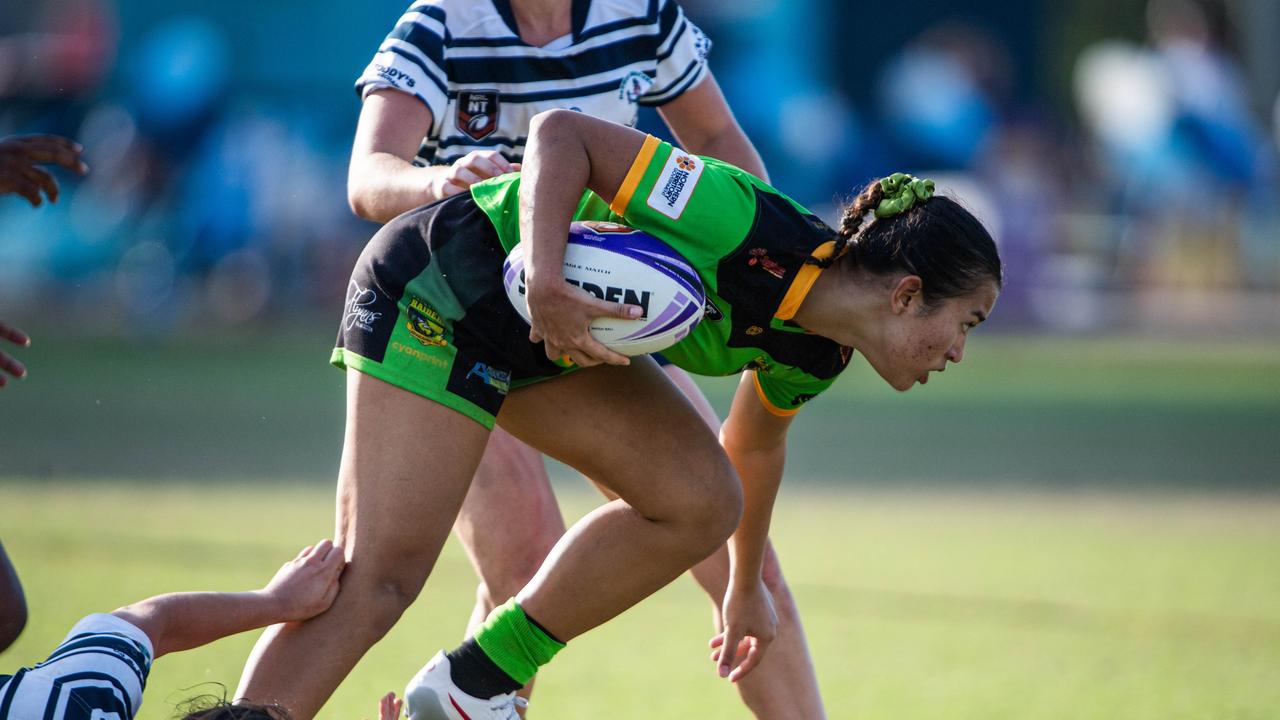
(478, 113)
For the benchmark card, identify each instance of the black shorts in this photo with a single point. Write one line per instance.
(427, 312)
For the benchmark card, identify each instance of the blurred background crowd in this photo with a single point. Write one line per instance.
(1125, 151)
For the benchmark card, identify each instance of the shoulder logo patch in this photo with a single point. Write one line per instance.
(676, 183)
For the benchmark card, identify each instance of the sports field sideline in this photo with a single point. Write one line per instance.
(1092, 530)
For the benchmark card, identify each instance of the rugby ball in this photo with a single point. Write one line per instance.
(621, 264)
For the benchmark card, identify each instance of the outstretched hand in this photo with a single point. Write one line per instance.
(306, 585)
(21, 157)
(750, 624)
(8, 364)
(560, 316)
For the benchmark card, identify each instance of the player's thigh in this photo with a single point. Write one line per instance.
(693, 394)
(629, 429)
(510, 518)
(406, 464)
(684, 382)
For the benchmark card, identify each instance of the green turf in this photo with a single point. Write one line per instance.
(1064, 411)
(919, 604)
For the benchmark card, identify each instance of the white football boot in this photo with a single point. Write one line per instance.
(431, 695)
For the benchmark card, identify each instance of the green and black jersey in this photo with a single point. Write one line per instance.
(749, 243)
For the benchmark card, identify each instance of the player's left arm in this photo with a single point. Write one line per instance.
(756, 442)
(303, 588)
(704, 124)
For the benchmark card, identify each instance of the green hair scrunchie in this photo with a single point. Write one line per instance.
(901, 192)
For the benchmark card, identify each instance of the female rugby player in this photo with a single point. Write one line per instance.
(447, 102)
(434, 350)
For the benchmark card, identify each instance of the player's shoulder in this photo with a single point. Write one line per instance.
(108, 630)
(626, 8)
(461, 17)
(635, 12)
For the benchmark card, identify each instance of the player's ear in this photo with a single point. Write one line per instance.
(906, 294)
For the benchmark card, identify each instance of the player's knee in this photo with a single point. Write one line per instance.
(713, 512)
(385, 590)
(486, 599)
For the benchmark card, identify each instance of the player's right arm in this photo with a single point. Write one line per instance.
(382, 180)
(303, 588)
(568, 152)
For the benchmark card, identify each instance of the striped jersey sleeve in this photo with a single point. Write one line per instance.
(682, 56)
(411, 60)
(97, 673)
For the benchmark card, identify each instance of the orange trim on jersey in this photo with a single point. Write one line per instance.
(629, 184)
(773, 409)
(805, 277)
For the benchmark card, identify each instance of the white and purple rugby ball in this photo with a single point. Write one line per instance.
(621, 264)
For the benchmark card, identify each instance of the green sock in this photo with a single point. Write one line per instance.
(515, 643)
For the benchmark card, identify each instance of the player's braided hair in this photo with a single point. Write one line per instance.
(933, 238)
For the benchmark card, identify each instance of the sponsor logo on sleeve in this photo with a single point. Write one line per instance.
(760, 258)
(676, 183)
(358, 314)
(397, 78)
(701, 43)
(802, 398)
(478, 113)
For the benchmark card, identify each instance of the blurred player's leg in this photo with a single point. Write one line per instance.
(391, 521)
(508, 524)
(784, 685)
(13, 605)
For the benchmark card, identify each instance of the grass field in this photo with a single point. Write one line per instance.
(1058, 411)
(925, 605)
(1058, 528)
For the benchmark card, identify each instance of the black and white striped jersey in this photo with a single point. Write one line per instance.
(483, 84)
(97, 673)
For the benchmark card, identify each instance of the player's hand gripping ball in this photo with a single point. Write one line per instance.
(620, 264)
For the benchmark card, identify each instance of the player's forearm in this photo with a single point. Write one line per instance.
(761, 473)
(381, 186)
(733, 147)
(181, 621)
(555, 172)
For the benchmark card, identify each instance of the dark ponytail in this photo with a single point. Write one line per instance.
(936, 239)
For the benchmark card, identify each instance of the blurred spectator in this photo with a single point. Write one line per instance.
(54, 55)
(941, 96)
(1179, 143)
